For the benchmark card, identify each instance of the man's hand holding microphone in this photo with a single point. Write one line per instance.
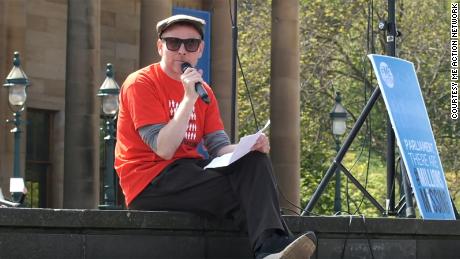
(191, 78)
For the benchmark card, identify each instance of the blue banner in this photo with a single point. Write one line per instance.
(403, 99)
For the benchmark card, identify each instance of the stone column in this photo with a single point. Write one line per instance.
(12, 38)
(3, 54)
(152, 11)
(221, 56)
(285, 99)
(4, 169)
(192, 4)
(81, 151)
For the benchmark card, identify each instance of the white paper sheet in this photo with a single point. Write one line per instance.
(243, 147)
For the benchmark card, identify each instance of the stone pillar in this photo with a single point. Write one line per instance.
(285, 99)
(4, 169)
(192, 4)
(152, 11)
(3, 54)
(221, 56)
(81, 151)
(12, 38)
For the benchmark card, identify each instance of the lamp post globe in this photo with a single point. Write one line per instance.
(108, 92)
(338, 116)
(17, 83)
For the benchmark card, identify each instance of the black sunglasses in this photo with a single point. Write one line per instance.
(173, 44)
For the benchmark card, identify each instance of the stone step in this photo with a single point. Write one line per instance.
(50, 233)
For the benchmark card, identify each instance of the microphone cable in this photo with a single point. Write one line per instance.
(241, 68)
(370, 48)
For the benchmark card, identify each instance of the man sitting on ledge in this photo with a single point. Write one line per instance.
(161, 122)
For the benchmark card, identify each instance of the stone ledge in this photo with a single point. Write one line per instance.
(103, 219)
(50, 233)
(157, 220)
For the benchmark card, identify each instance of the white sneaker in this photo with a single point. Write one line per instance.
(301, 248)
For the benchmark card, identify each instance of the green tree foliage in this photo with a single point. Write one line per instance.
(254, 50)
(335, 38)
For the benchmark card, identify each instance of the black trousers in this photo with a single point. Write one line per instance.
(244, 191)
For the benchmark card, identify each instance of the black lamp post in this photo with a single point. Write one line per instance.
(17, 83)
(109, 99)
(338, 116)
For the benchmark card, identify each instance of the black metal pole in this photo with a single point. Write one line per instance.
(340, 155)
(17, 144)
(337, 198)
(410, 211)
(17, 196)
(391, 51)
(391, 36)
(234, 53)
(457, 216)
(361, 188)
(109, 187)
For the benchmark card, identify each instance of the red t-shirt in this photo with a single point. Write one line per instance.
(150, 96)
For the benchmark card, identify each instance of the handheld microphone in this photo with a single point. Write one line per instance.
(198, 86)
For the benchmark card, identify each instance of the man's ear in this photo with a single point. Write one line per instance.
(200, 49)
(160, 47)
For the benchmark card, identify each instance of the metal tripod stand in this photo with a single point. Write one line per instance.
(390, 208)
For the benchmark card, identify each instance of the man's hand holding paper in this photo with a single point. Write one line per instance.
(262, 144)
(257, 141)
